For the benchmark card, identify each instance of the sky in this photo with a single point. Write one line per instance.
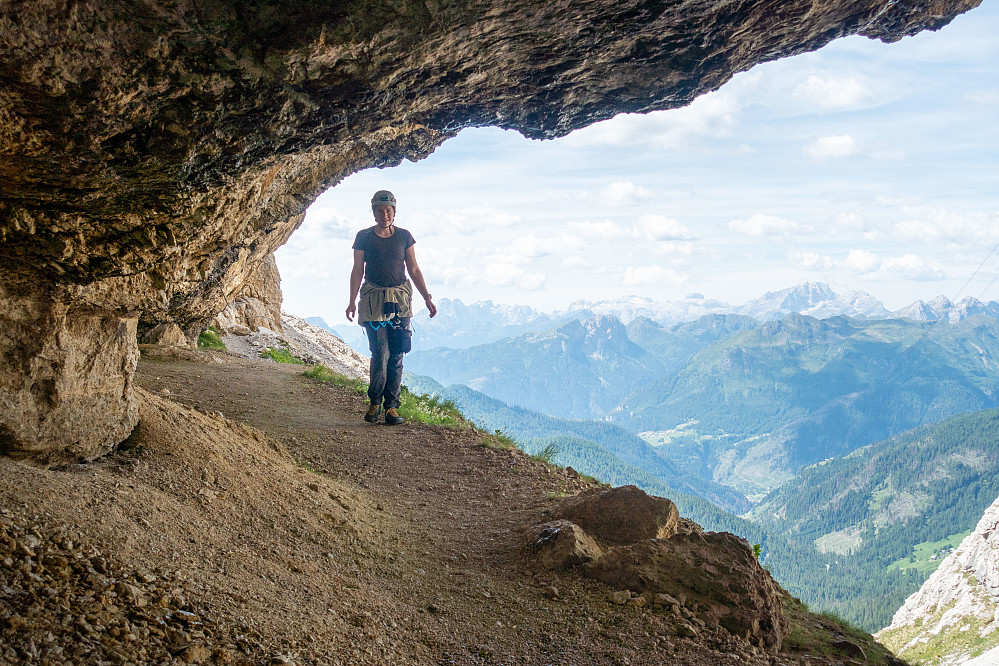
(864, 165)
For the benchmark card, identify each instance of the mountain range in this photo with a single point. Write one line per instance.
(735, 401)
(458, 325)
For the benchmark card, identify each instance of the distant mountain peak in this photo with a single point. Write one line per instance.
(816, 299)
(942, 308)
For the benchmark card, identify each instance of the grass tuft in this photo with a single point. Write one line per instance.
(280, 355)
(209, 339)
(431, 409)
(324, 375)
(548, 455)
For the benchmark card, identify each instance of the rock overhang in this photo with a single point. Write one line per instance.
(154, 155)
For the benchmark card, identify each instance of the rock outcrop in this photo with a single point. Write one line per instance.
(955, 614)
(708, 581)
(257, 303)
(153, 155)
(622, 515)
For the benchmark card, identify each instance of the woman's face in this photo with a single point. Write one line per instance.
(384, 215)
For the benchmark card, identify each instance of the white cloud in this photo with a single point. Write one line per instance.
(535, 247)
(869, 265)
(634, 275)
(324, 222)
(623, 192)
(576, 262)
(861, 261)
(912, 267)
(606, 229)
(763, 225)
(510, 275)
(934, 225)
(841, 145)
(834, 92)
(809, 261)
(676, 248)
(709, 116)
(472, 220)
(660, 228)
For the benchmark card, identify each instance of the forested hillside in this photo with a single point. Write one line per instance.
(884, 515)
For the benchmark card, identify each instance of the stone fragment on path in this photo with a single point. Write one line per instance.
(562, 544)
(619, 597)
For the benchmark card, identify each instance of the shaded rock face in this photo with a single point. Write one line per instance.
(154, 154)
(714, 573)
(51, 373)
(257, 303)
(638, 544)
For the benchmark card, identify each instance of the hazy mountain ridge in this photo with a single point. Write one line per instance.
(767, 398)
(791, 393)
(578, 370)
(942, 309)
(615, 455)
(815, 299)
(459, 325)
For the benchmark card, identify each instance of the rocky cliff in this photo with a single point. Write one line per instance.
(154, 154)
(954, 616)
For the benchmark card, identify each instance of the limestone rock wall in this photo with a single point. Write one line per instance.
(154, 153)
(257, 303)
(955, 614)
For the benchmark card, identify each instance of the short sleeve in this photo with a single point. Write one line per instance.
(359, 241)
(410, 241)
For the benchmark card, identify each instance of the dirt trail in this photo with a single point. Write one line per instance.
(457, 514)
(325, 540)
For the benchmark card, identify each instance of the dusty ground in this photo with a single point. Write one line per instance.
(259, 503)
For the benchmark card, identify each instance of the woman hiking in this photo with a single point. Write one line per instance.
(383, 254)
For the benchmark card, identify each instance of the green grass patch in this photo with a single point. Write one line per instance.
(421, 407)
(431, 409)
(499, 440)
(324, 375)
(922, 554)
(280, 355)
(209, 339)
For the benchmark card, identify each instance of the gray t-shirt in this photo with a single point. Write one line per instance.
(384, 258)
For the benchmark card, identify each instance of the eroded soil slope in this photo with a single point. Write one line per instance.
(253, 518)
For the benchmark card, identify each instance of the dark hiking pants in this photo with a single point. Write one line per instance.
(387, 345)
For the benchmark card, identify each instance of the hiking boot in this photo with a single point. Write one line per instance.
(392, 417)
(373, 411)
